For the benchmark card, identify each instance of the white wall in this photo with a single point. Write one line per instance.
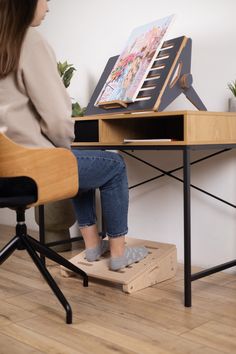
(87, 33)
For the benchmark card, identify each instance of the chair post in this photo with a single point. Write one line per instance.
(21, 228)
(20, 215)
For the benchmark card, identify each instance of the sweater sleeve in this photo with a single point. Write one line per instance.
(47, 93)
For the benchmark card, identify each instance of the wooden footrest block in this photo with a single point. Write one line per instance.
(159, 265)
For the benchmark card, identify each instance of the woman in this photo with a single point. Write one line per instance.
(36, 109)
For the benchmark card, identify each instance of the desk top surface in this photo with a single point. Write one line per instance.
(143, 114)
(195, 129)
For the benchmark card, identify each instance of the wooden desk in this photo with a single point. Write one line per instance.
(188, 130)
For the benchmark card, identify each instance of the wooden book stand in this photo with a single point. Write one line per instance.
(169, 76)
(159, 265)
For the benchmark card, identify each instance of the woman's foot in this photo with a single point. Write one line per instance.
(131, 255)
(93, 254)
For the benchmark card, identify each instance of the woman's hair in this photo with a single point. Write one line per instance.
(15, 18)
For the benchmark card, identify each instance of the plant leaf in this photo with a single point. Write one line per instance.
(67, 76)
(77, 111)
(232, 87)
(63, 67)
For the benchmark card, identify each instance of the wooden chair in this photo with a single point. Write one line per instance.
(30, 177)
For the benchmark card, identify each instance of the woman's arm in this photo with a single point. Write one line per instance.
(46, 91)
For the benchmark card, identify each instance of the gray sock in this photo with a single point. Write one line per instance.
(93, 254)
(131, 255)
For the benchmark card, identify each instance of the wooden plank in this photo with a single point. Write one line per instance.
(163, 270)
(36, 340)
(12, 313)
(215, 335)
(193, 127)
(154, 114)
(137, 276)
(216, 128)
(11, 345)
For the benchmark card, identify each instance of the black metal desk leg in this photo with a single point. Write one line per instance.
(42, 230)
(187, 229)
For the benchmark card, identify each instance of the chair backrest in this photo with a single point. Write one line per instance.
(54, 170)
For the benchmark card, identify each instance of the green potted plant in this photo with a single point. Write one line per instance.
(66, 71)
(232, 100)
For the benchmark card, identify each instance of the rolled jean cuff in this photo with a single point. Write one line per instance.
(120, 234)
(81, 226)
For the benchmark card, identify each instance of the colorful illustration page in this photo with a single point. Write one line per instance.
(135, 61)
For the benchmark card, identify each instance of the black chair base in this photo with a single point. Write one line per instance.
(23, 241)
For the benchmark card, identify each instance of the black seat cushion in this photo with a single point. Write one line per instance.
(17, 191)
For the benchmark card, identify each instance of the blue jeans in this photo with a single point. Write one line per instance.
(106, 171)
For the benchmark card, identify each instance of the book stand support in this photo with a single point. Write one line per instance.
(169, 76)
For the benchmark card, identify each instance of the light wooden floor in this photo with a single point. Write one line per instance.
(108, 321)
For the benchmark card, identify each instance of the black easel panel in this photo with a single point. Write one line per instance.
(153, 86)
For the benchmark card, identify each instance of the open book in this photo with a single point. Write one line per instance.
(134, 63)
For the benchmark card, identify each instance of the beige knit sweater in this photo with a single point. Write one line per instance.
(34, 104)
